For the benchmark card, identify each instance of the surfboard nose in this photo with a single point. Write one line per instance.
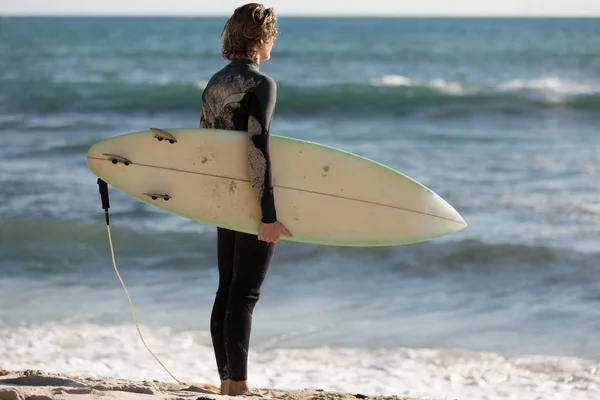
(447, 219)
(452, 214)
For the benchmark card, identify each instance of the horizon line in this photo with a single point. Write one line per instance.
(296, 15)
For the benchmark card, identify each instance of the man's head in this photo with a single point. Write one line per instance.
(249, 33)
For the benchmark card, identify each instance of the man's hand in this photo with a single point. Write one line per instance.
(270, 232)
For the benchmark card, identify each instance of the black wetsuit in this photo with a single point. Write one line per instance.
(240, 97)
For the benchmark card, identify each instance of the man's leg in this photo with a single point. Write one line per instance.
(250, 265)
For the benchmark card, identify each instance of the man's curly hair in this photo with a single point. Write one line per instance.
(246, 30)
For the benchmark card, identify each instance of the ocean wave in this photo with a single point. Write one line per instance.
(453, 88)
(385, 95)
(551, 85)
(76, 348)
(551, 89)
(41, 247)
(67, 244)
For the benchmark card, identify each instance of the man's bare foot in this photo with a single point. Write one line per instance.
(238, 388)
(225, 386)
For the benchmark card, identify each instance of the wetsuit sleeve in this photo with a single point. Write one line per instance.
(202, 119)
(261, 106)
(202, 111)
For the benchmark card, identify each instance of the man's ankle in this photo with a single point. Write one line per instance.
(237, 388)
(225, 386)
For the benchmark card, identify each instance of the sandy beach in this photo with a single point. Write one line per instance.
(42, 385)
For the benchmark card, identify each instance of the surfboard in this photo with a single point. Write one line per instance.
(323, 195)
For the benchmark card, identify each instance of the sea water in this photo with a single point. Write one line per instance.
(498, 116)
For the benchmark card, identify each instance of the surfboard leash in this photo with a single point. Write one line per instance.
(103, 188)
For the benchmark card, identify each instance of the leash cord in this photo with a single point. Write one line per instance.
(105, 204)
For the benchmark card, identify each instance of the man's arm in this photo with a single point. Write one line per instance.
(261, 106)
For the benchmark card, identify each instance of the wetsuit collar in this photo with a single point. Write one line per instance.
(240, 62)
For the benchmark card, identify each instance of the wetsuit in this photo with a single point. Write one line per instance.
(240, 97)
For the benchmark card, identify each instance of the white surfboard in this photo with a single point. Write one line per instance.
(322, 195)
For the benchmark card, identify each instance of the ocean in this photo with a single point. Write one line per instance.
(500, 117)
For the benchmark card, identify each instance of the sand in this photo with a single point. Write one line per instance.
(40, 385)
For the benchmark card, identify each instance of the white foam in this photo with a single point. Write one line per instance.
(440, 84)
(449, 87)
(201, 84)
(551, 85)
(116, 351)
(550, 88)
(392, 80)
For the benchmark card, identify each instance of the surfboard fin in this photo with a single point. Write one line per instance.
(117, 159)
(163, 135)
(155, 196)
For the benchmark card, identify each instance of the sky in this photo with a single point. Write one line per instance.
(306, 7)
